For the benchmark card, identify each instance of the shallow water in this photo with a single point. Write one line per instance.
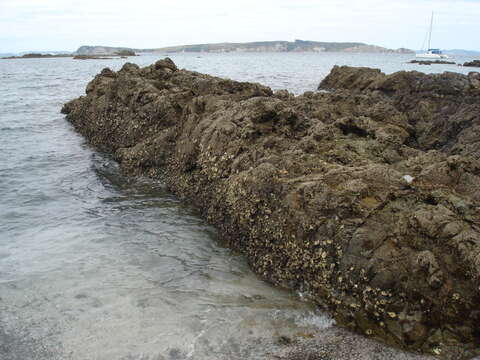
(94, 265)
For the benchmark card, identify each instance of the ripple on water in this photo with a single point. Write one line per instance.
(94, 265)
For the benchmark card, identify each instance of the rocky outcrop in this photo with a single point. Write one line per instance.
(365, 196)
(431, 62)
(474, 63)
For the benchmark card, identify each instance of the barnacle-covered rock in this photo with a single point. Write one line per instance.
(366, 196)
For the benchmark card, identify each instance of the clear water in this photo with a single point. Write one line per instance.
(94, 265)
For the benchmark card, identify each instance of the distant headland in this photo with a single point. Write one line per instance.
(123, 53)
(100, 51)
(258, 46)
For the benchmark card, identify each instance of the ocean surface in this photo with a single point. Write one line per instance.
(95, 265)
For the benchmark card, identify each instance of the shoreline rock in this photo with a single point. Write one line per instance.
(431, 62)
(366, 197)
(474, 63)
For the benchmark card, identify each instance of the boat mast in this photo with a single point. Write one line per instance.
(430, 32)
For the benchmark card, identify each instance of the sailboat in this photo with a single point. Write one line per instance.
(432, 53)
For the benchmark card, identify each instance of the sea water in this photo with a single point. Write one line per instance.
(96, 265)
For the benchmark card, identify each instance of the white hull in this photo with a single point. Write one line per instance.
(429, 52)
(433, 56)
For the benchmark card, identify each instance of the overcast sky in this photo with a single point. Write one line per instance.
(66, 24)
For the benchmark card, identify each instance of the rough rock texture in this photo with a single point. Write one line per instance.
(474, 63)
(366, 197)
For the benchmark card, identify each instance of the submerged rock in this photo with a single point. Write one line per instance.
(367, 197)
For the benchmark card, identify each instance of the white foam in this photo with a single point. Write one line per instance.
(409, 179)
(319, 321)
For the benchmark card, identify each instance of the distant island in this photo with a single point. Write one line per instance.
(37, 56)
(259, 46)
(120, 53)
(100, 51)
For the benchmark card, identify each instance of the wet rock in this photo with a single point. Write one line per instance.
(166, 63)
(474, 78)
(366, 196)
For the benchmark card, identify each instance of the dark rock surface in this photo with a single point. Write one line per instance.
(431, 62)
(474, 63)
(367, 197)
